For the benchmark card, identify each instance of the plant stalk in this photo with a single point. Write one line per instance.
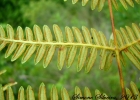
(116, 49)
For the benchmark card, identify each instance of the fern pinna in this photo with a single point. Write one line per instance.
(87, 95)
(64, 93)
(128, 40)
(125, 41)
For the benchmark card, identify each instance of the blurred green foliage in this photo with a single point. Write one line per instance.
(29, 12)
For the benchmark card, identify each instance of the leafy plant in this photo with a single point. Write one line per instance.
(122, 42)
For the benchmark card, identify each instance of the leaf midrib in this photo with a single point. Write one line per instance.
(130, 44)
(58, 43)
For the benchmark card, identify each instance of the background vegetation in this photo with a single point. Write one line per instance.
(48, 12)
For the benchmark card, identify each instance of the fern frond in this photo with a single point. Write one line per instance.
(130, 94)
(129, 43)
(78, 95)
(100, 3)
(43, 44)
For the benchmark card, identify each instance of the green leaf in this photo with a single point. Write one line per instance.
(130, 2)
(71, 55)
(21, 95)
(97, 93)
(48, 56)
(119, 38)
(94, 3)
(103, 39)
(135, 90)
(82, 58)
(109, 60)
(136, 30)
(20, 35)
(40, 52)
(42, 92)
(115, 4)
(30, 93)
(2, 32)
(10, 31)
(20, 49)
(3, 44)
(64, 94)
(54, 94)
(38, 33)
(10, 95)
(132, 58)
(128, 93)
(78, 92)
(96, 36)
(78, 35)
(74, 1)
(138, 1)
(125, 35)
(87, 93)
(135, 51)
(11, 48)
(47, 33)
(101, 5)
(1, 93)
(87, 35)
(69, 34)
(103, 59)
(30, 50)
(29, 34)
(84, 2)
(130, 33)
(124, 4)
(58, 33)
(91, 59)
(61, 56)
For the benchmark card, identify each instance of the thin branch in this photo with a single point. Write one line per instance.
(116, 49)
(112, 22)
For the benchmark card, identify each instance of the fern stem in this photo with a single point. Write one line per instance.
(112, 22)
(58, 43)
(120, 73)
(116, 49)
(130, 44)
